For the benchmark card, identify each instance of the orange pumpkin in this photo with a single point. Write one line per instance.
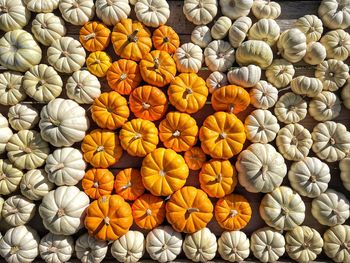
(218, 178)
(128, 184)
(131, 40)
(230, 98)
(158, 68)
(101, 148)
(178, 131)
(94, 36)
(98, 182)
(188, 92)
(149, 103)
(139, 137)
(110, 110)
(98, 63)
(148, 211)
(222, 135)
(233, 212)
(189, 210)
(195, 158)
(108, 218)
(124, 76)
(163, 172)
(166, 39)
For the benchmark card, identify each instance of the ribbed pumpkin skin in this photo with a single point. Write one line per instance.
(128, 184)
(166, 39)
(195, 158)
(98, 63)
(98, 182)
(94, 36)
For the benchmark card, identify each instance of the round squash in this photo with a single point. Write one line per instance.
(239, 31)
(311, 26)
(325, 106)
(306, 86)
(152, 13)
(219, 55)
(14, 15)
(333, 74)
(266, 30)
(17, 210)
(246, 77)
(263, 95)
(89, 249)
(97, 182)
(292, 45)
(129, 248)
(216, 80)
(112, 11)
(337, 44)
(10, 177)
(290, 108)
(334, 240)
(315, 53)
(280, 73)
(334, 14)
(35, 184)
(77, 12)
(254, 52)
(233, 246)
(98, 63)
(221, 27)
(128, 184)
(345, 172)
(6, 133)
(345, 94)
(201, 36)
(166, 39)
(94, 36)
(266, 9)
(235, 8)
(56, 248)
(195, 158)
(11, 89)
(188, 58)
(23, 117)
(200, 12)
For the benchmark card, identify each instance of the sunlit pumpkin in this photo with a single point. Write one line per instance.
(128, 184)
(98, 182)
(195, 158)
(98, 63)
(94, 36)
(166, 39)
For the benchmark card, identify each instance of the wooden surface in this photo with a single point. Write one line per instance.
(291, 10)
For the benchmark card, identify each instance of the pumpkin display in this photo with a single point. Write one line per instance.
(166, 39)
(235, 8)
(11, 89)
(23, 117)
(333, 74)
(239, 31)
(311, 26)
(129, 247)
(334, 240)
(221, 27)
(15, 15)
(35, 184)
(292, 45)
(266, 30)
(98, 63)
(6, 133)
(152, 13)
(163, 172)
(94, 36)
(201, 36)
(315, 53)
(263, 95)
(17, 210)
(128, 184)
(56, 248)
(306, 86)
(266, 9)
(89, 249)
(77, 12)
(188, 58)
(219, 55)
(246, 77)
(195, 158)
(280, 73)
(200, 12)
(97, 183)
(344, 172)
(101, 148)
(325, 106)
(216, 80)
(131, 40)
(39, 6)
(334, 14)
(345, 94)
(337, 44)
(233, 246)
(10, 177)
(189, 209)
(112, 11)
(290, 108)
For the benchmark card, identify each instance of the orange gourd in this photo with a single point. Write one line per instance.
(98, 182)
(110, 110)
(233, 212)
(163, 172)
(158, 68)
(98, 63)
(108, 218)
(123, 76)
(166, 39)
(230, 98)
(178, 131)
(94, 36)
(139, 137)
(149, 103)
(218, 178)
(128, 184)
(189, 210)
(148, 211)
(101, 148)
(188, 92)
(195, 158)
(131, 39)
(222, 135)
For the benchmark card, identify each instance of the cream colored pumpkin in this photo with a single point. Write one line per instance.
(23, 117)
(233, 246)
(129, 248)
(333, 74)
(311, 26)
(19, 51)
(63, 122)
(345, 94)
(280, 73)
(27, 150)
(200, 246)
(219, 55)
(65, 166)
(261, 126)
(48, 27)
(35, 184)
(77, 12)
(221, 27)
(303, 244)
(306, 86)
(201, 36)
(344, 166)
(56, 248)
(1, 206)
(11, 89)
(315, 53)
(266, 30)
(335, 14)
(309, 177)
(290, 108)
(6, 133)
(337, 44)
(89, 249)
(41, 6)
(331, 208)
(263, 95)
(254, 52)
(152, 13)
(239, 30)
(335, 240)
(13, 15)
(18, 210)
(235, 8)
(292, 45)
(246, 77)
(266, 9)
(331, 141)
(10, 177)
(260, 168)
(200, 12)
(216, 80)
(112, 11)
(325, 106)
(188, 58)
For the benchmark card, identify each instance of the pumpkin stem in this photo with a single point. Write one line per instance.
(106, 220)
(337, 214)
(56, 167)
(96, 185)
(137, 136)
(28, 187)
(100, 148)
(176, 133)
(133, 36)
(192, 210)
(3, 9)
(123, 76)
(346, 245)
(219, 177)
(223, 135)
(2, 176)
(189, 91)
(25, 149)
(313, 178)
(166, 39)
(128, 184)
(233, 213)
(268, 247)
(52, 249)
(12, 211)
(264, 170)
(332, 141)
(285, 210)
(294, 141)
(109, 2)
(89, 36)
(148, 212)
(231, 108)
(306, 245)
(14, 250)
(145, 105)
(75, 4)
(162, 173)
(156, 63)
(54, 122)
(164, 247)
(60, 212)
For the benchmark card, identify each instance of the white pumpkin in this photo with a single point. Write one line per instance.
(345, 94)
(330, 208)
(112, 11)
(23, 117)
(282, 209)
(10, 177)
(333, 74)
(254, 52)
(290, 108)
(266, 9)
(239, 30)
(56, 248)
(235, 8)
(200, 246)
(200, 12)
(6, 133)
(152, 13)
(41, 6)
(280, 73)
(309, 177)
(263, 95)
(344, 166)
(267, 244)
(90, 250)
(13, 15)
(11, 89)
(221, 27)
(1, 206)
(325, 106)
(219, 55)
(63, 122)
(19, 51)
(20, 245)
(216, 80)
(261, 126)
(77, 12)
(233, 246)
(266, 30)
(35, 184)
(66, 55)
(336, 240)
(65, 166)
(331, 141)
(337, 44)
(306, 86)
(201, 36)
(335, 14)
(63, 210)
(311, 26)
(260, 168)
(292, 45)
(27, 150)
(129, 248)
(18, 210)
(246, 77)
(315, 53)
(188, 58)
(48, 27)
(303, 244)
(163, 244)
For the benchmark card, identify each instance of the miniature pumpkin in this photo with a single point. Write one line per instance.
(245, 77)
(200, 12)
(195, 158)
(128, 184)
(255, 52)
(221, 27)
(233, 246)
(97, 183)
(315, 53)
(23, 117)
(266, 30)
(290, 108)
(35, 184)
(337, 44)
(280, 73)
(235, 8)
(345, 172)
(129, 247)
(311, 26)
(11, 89)
(325, 106)
(266, 9)
(15, 15)
(292, 45)
(201, 36)
(98, 63)
(219, 55)
(77, 12)
(94, 36)
(216, 80)
(345, 94)
(10, 177)
(303, 85)
(263, 95)
(334, 14)
(166, 39)
(112, 11)
(188, 58)
(56, 248)
(333, 74)
(334, 240)
(17, 210)
(239, 31)
(152, 13)
(89, 249)
(6, 133)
